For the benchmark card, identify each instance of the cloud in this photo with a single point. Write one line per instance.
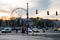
(55, 3)
(48, 5)
(53, 7)
(35, 4)
(41, 5)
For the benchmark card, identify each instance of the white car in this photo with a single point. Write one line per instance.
(35, 30)
(29, 30)
(58, 29)
(6, 30)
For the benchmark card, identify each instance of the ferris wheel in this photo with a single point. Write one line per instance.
(20, 11)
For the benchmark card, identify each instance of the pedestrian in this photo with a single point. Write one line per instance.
(16, 30)
(23, 29)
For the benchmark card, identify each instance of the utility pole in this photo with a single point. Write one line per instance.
(27, 25)
(27, 12)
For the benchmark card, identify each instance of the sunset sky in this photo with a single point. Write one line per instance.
(6, 7)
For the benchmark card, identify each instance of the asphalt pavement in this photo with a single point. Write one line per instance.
(20, 36)
(30, 36)
(26, 37)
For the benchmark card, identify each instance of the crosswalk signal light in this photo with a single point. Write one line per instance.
(47, 12)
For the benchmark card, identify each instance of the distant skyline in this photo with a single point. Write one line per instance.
(6, 6)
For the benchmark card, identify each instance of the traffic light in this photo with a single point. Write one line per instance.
(36, 11)
(56, 13)
(47, 12)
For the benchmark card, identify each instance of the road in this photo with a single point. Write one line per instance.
(20, 36)
(26, 37)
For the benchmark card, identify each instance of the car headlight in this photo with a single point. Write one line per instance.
(58, 28)
(55, 29)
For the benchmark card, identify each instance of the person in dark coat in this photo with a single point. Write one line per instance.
(23, 29)
(16, 30)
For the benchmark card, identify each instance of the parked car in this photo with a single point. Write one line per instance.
(6, 30)
(35, 30)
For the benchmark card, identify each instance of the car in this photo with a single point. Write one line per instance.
(55, 29)
(29, 30)
(58, 29)
(35, 30)
(6, 30)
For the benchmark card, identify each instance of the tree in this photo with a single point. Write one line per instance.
(38, 22)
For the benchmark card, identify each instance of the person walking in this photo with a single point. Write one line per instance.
(16, 30)
(23, 29)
